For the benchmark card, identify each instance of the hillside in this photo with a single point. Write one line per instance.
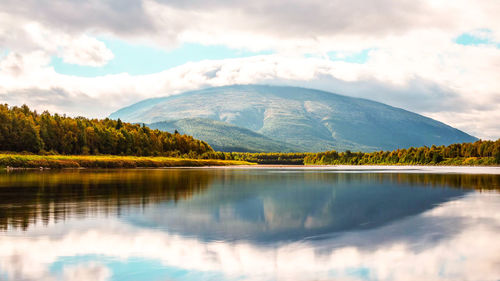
(223, 136)
(310, 120)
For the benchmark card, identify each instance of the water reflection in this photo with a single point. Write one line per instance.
(274, 207)
(27, 197)
(207, 224)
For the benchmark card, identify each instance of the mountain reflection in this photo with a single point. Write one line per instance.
(270, 207)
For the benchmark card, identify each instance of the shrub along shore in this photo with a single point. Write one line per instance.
(105, 161)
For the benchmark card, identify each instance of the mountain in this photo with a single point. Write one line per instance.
(223, 136)
(307, 119)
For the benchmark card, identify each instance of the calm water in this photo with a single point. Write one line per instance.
(250, 224)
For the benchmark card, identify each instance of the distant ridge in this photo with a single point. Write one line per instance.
(289, 119)
(224, 136)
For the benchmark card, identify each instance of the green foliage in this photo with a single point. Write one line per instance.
(223, 136)
(476, 153)
(496, 155)
(24, 130)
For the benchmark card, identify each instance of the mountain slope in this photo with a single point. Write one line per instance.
(223, 136)
(309, 119)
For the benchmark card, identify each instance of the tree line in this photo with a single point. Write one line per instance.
(22, 129)
(289, 158)
(477, 153)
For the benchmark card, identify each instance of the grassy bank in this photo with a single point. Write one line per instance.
(105, 161)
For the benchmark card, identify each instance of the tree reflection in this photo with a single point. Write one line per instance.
(27, 197)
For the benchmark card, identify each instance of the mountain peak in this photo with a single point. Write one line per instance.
(305, 119)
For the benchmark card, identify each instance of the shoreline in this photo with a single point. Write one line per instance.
(31, 161)
(42, 162)
(490, 170)
(373, 169)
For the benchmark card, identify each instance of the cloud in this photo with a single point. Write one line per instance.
(17, 65)
(118, 16)
(283, 25)
(291, 20)
(86, 51)
(24, 37)
(57, 100)
(86, 272)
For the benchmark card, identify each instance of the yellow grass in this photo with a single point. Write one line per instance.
(105, 161)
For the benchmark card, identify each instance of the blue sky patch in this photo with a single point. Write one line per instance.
(3, 53)
(138, 59)
(360, 57)
(473, 38)
(134, 269)
(468, 40)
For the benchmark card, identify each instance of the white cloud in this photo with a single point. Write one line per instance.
(17, 65)
(86, 51)
(291, 26)
(86, 272)
(24, 36)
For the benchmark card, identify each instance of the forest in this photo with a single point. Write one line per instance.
(477, 153)
(24, 130)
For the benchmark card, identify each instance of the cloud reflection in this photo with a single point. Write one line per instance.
(455, 240)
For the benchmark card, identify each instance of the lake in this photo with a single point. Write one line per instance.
(263, 223)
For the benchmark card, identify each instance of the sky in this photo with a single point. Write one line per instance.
(439, 58)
